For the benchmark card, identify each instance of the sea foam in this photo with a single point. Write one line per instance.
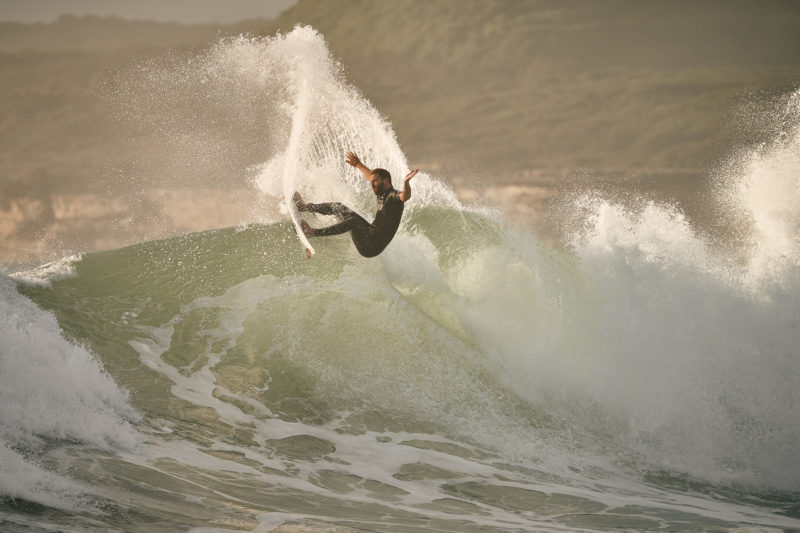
(50, 389)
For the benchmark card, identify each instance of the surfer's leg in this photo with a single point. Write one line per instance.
(359, 229)
(352, 222)
(331, 208)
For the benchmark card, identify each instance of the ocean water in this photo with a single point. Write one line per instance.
(468, 379)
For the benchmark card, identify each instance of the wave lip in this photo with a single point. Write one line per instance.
(44, 275)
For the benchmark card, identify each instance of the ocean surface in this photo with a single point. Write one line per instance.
(468, 379)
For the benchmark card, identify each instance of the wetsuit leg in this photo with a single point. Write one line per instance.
(353, 222)
(331, 208)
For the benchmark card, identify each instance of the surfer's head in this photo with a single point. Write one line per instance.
(381, 181)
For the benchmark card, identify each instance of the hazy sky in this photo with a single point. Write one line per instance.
(186, 11)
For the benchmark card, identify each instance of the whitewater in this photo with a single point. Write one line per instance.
(468, 379)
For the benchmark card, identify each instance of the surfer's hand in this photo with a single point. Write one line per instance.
(352, 159)
(405, 194)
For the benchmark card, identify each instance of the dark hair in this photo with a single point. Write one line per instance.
(382, 173)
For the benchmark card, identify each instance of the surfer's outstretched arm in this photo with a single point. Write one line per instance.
(405, 194)
(353, 160)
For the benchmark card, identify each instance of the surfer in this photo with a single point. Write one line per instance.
(369, 239)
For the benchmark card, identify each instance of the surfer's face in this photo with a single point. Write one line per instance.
(379, 185)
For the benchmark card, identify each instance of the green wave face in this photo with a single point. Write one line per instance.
(305, 339)
(234, 346)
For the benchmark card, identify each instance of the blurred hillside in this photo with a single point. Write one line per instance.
(514, 84)
(523, 91)
(101, 35)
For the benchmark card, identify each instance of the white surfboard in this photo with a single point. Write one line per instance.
(295, 214)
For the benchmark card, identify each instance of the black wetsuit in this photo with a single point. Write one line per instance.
(369, 239)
